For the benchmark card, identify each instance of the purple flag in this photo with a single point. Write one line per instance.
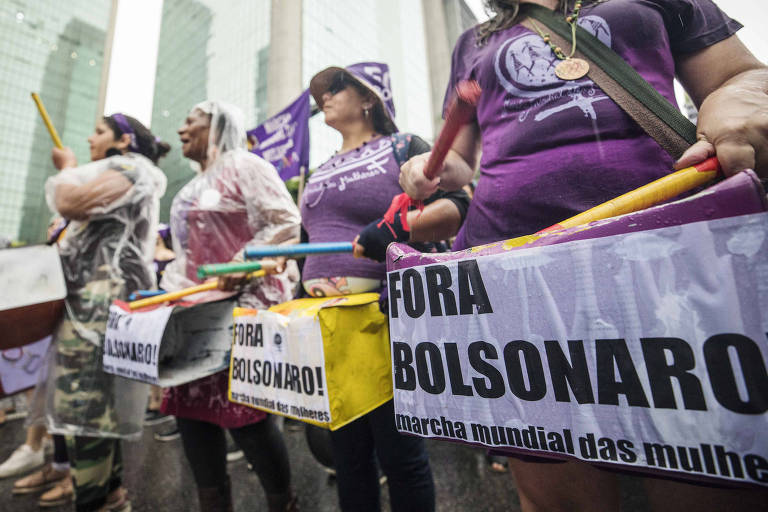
(283, 139)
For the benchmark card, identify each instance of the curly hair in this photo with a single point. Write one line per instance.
(505, 15)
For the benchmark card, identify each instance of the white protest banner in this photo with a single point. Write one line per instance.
(645, 349)
(269, 373)
(132, 342)
(20, 367)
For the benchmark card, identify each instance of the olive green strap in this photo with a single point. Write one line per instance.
(630, 91)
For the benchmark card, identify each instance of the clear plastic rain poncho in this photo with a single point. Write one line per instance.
(236, 201)
(104, 257)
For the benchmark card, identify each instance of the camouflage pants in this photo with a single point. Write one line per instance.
(84, 398)
(83, 394)
(97, 470)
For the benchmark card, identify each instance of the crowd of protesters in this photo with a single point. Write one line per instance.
(529, 165)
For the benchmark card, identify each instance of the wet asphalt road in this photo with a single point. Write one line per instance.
(158, 479)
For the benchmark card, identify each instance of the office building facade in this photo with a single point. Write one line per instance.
(55, 49)
(207, 50)
(261, 56)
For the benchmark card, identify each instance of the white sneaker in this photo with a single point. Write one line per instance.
(22, 460)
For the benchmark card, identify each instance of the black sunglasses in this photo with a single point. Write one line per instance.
(339, 82)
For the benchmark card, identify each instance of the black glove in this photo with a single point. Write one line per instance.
(377, 235)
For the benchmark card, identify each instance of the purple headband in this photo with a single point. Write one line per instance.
(163, 230)
(125, 127)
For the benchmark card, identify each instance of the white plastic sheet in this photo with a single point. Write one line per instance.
(105, 256)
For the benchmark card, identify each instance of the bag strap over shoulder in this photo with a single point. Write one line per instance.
(655, 114)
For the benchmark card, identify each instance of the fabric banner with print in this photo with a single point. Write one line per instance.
(645, 349)
(168, 345)
(132, 342)
(324, 361)
(283, 139)
(272, 373)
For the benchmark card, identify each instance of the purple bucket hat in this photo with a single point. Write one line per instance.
(373, 75)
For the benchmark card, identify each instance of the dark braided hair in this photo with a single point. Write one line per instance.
(506, 12)
(149, 145)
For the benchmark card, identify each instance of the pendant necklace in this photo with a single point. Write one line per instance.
(569, 68)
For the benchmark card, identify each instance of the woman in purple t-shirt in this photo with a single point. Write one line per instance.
(347, 196)
(552, 148)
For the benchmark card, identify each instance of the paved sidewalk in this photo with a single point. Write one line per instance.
(159, 480)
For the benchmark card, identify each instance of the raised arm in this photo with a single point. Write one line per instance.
(730, 87)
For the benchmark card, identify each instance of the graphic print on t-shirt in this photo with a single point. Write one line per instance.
(525, 67)
(343, 196)
(339, 172)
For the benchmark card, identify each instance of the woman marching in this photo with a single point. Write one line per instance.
(112, 206)
(345, 195)
(237, 199)
(553, 145)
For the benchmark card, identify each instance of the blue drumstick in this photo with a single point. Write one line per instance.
(296, 250)
(140, 294)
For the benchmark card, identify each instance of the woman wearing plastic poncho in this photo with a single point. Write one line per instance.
(112, 204)
(237, 199)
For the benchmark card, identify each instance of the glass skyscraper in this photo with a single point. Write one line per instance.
(343, 32)
(207, 50)
(221, 50)
(56, 49)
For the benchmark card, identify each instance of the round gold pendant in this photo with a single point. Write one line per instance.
(571, 69)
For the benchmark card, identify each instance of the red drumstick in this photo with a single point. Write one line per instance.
(460, 112)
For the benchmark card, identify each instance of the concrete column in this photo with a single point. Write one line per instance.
(284, 62)
(438, 56)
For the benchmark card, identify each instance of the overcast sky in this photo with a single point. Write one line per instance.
(134, 52)
(131, 82)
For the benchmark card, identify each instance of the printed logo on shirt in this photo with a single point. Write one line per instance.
(525, 67)
(369, 162)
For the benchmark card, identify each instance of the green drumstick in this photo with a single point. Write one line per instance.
(217, 269)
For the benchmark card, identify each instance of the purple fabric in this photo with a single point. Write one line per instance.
(163, 230)
(283, 139)
(375, 75)
(125, 127)
(342, 196)
(553, 148)
(741, 194)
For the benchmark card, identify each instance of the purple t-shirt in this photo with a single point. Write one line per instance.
(554, 148)
(343, 196)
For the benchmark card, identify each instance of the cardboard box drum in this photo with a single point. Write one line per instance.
(32, 292)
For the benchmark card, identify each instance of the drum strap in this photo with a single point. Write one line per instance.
(655, 114)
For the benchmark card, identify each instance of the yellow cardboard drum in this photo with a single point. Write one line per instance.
(325, 361)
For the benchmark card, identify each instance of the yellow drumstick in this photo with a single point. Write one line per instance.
(663, 189)
(47, 120)
(167, 297)
(658, 191)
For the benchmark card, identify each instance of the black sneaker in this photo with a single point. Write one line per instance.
(152, 418)
(292, 425)
(235, 455)
(171, 435)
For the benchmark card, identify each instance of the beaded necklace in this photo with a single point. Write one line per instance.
(569, 68)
